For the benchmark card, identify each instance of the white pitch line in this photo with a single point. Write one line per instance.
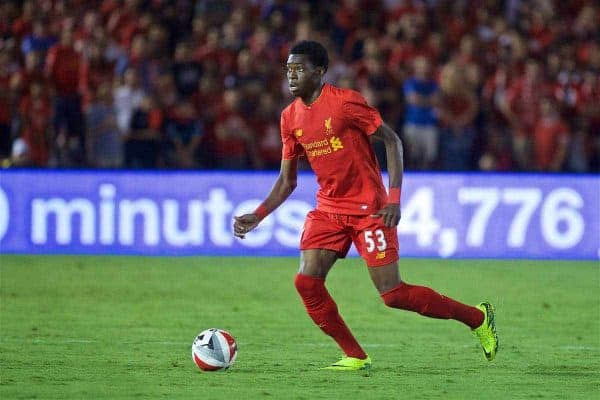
(578, 348)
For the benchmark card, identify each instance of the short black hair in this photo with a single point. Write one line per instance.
(316, 52)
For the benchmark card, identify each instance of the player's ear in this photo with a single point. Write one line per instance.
(320, 71)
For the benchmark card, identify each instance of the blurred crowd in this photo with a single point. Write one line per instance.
(486, 85)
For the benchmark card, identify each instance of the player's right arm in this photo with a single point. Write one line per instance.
(282, 189)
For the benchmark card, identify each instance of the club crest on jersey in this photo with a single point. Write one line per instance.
(298, 132)
(328, 130)
(336, 143)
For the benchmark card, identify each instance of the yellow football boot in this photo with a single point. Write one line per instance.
(486, 333)
(350, 364)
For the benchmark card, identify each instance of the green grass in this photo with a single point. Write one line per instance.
(122, 327)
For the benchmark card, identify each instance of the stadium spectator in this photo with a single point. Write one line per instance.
(128, 96)
(207, 102)
(589, 122)
(30, 71)
(63, 65)
(409, 42)
(88, 30)
(247, 78)
(236, 143)
(494, 95)
(104, 144)
(269, 138)
(96, 70)
(497, 154)
(138, 59)
(5, 106)
(521, 108)
(457, 110)
(550, 138)
(142, 148)
(186, 71)
(19, 22)
(420, 131)
(347, 18)
(35, 113)
(371, 73)
(581, 148)
(165, 92)
(184, 137)
(39, 40)
(212, 56)
(123, 21)
(589, 95)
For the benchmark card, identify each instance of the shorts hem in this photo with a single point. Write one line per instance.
(339, 253)
(382, 263)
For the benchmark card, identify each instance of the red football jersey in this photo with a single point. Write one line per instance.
(333, 132)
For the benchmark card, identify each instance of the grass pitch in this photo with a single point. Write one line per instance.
(122, 327)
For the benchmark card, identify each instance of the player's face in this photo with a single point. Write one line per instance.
(303, 77)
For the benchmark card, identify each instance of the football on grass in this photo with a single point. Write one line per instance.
(214, 350)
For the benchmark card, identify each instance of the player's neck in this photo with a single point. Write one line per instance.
(314, 95)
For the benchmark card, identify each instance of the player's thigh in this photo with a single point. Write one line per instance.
(385, 277)
(376, 243)
(378, 246)
(317, 262)
(324, 240)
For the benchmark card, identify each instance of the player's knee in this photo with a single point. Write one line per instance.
(308, 286)
(396, 297)
(314, 294)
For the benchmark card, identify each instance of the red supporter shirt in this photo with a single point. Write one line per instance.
(333, 132)
(524, 99)
(233, 145)
(4, 100)
(63, 64)
(37, 117)
(549, 134)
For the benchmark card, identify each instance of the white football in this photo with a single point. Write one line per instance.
(214, 350)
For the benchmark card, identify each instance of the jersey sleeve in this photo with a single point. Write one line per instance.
(360, 114)
(291, 148)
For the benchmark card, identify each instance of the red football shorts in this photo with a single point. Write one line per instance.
(375, 243)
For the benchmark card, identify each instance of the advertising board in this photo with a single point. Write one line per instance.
(190, 213)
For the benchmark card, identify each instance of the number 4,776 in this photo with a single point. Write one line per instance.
(561, 223)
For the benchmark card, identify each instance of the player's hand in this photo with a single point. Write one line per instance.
(244, 224)
(390, 214)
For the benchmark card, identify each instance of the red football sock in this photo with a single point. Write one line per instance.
(324, 312)
(428, 302)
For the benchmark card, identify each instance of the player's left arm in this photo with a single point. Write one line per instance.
(395, 166)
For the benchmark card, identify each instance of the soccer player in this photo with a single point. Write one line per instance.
(332, 127)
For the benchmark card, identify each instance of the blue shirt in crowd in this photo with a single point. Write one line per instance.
(419, 115)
